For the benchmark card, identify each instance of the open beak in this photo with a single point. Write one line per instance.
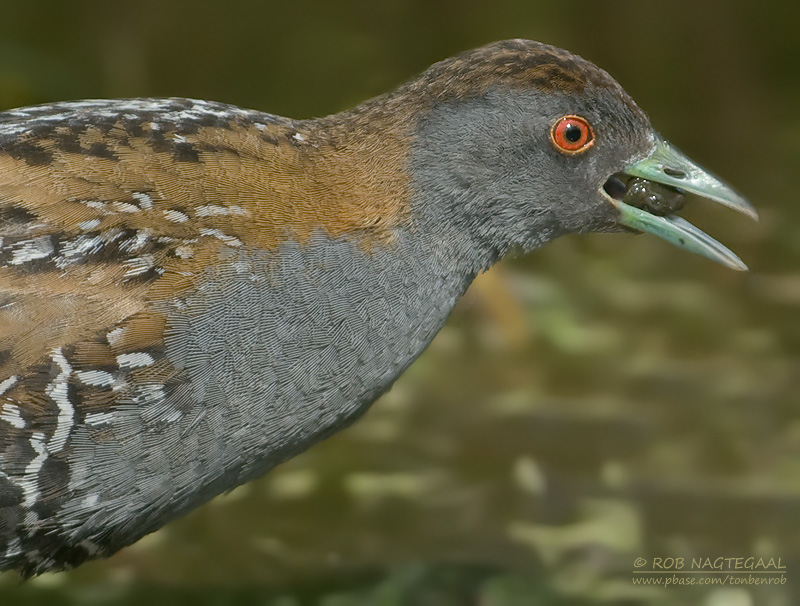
(668, 166)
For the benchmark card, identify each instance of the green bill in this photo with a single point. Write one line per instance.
(669, 166)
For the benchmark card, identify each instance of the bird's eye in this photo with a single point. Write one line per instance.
(572, 135)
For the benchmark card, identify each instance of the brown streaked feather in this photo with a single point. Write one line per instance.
(135, 206)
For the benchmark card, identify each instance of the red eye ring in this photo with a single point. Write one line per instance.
(572, 134)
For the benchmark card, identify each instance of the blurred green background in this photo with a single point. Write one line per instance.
(607, 398)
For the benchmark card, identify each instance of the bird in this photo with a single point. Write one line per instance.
(192, 293)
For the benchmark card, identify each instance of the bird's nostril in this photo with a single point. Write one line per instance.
(615, 187)
(672, 172)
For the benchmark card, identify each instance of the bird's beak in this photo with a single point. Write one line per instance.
(668, 166)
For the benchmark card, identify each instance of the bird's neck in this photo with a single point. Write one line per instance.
(368, 158)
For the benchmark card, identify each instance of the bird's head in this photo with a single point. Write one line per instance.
(521, 142)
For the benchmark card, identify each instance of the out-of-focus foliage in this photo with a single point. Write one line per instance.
(605, 399)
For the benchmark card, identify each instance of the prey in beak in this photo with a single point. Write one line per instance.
(650, 192)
